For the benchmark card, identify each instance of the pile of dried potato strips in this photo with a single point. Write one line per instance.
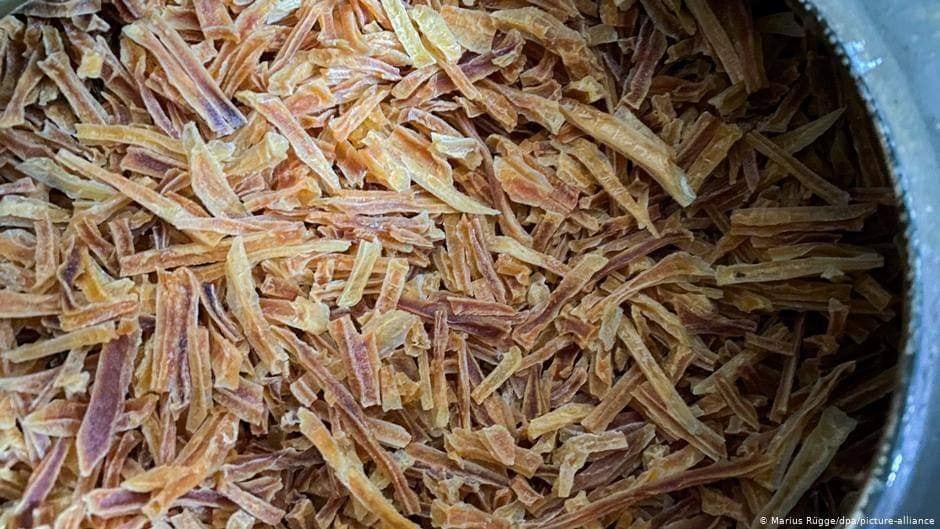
(534, 264)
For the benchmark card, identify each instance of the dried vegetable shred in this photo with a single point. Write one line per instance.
(488, 264)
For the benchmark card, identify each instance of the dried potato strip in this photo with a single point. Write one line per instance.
(200, 457)
(431, 173)
(215, 21)
(24, 144)
(58, 418)
(176, 313)
(41, 483)
(869, 288)
(524, 491)
(812, 181)
(160, 205)
(99, 312)
(246, 59)
(391, 396)
(407, 34)
(215, 227)
(473, 445)
(517, 250)
(649, 50)
(112, 380)
(152, 140)
(508, 364)
(460, 306)
(356, 419)
(200, 374)
(473, 29)
(301, 313)
(675, 267)
(250, 21)
(207, 179)
(189, 76)
(794, 268)
(475, 69)
(87, 232)
(23, 305)
(46, 171)
(14, 111)
(770, 221)
(58, 68)
(591, 157)
(346, 123)
(306, 149)
(696, 433)
(525, 185)
(553, 35)
(534, 107)
(748, 44)
(714, 153)
(243, 302)
(556, 419)
(361, 360)
(769, 344)
(466, 87)
(113, 502)
(32, 209)
(718, 39)
(18, 246)
(471, 229)
(227, 360)
(280, 243)
(440, 414)
(574, 452)
(64, 9)
(576, 280)
(367, 254)
(633, 143)
(147, 163)
(309, 13)
(786, 438)
(253, 505)
(556, 345)
(393, 284)
(868, 392)
(263, 155)
(652, 485)
(736, 402)
(818, 450)
(463, 382)
(781, 402)
(349, 472)
(435, 29)
(42, 348)
(34, 383)
(21, 186)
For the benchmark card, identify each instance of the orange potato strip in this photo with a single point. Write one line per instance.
(243, 302)
(349, 473)
(96, 334)
(305, 148)
(633, 144)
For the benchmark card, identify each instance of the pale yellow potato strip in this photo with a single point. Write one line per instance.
(96, 334)
(500, 374)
